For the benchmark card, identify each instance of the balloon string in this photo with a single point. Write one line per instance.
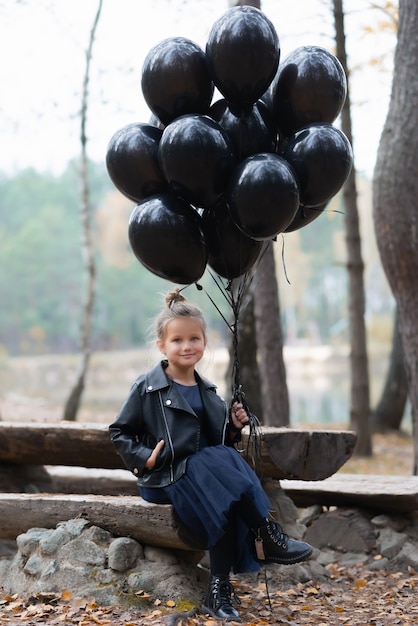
(234, 292)
(200, 288)
(253, 447)
(284, 262)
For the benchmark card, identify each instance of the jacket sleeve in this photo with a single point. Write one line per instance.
(127, 434)
(233, 434)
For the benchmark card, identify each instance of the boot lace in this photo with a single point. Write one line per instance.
(277, 534)
(223, 592)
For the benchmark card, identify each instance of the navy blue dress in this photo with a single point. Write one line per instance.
(204, 497)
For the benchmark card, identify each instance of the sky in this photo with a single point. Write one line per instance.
(43, 43)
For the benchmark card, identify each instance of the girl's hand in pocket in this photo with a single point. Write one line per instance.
(152, 459)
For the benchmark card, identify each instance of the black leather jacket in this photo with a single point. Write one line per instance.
(156, 410)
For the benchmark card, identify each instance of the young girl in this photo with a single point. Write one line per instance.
(177, 436)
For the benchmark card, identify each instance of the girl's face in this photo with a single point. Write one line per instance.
(184, 342)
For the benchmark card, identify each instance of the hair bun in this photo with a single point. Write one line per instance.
(174, 296)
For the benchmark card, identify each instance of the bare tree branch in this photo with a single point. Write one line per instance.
(73, 403)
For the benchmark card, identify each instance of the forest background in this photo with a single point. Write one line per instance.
(41, 267)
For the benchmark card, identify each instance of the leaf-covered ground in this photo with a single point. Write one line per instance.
(354, 597)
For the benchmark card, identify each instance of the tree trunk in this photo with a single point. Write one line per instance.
(359, 394)
(389, 412)
(275, 396)
(247, 358)
(395, 196)
(73, 402)
(270, 402)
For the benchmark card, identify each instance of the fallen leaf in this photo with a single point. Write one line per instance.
(66, 595)
(362, 582)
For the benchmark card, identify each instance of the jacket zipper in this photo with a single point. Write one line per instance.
(225, 424)
(168, 435)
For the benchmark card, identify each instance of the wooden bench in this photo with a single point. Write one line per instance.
(285, 453)
(92, 477)
(144, 521)
(382, 493)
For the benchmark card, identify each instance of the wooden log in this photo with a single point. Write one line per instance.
(371, 491)
(303, 454)
(90, 481)
(151, 524)
(66, 443)
(285, 452)
(65, 479)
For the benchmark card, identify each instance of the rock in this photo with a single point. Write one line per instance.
(52, 540)
(33, 566)
(413, 528)
(350, 559)
(310, 514)
(75, 526)
(379, 564)
(342, 529)
(390, 542)
(408, 556)
(297, 573)
(98, 535)
(285, 510)
(89, 561)
(84, 552)
(123, 553)
(396, 522)
(326, 557)
(28, 542)
(317, 571)
(158, 555)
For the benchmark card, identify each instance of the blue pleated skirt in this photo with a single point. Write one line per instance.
(215, 479)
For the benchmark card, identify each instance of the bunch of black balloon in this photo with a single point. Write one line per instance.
(217, 181)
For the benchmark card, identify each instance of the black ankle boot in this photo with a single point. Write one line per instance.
(272, 545)
(218, 602)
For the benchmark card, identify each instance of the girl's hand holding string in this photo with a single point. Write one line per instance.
(239, 416)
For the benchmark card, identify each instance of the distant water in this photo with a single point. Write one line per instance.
(318, 381)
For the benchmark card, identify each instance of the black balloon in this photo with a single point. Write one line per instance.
(304, 216)
(242, 53)
(321, 157)
(263, 196)
(230, 253)
(175, 79)
(249, 134)
(166, 237)
(132, 161)
(196, 157)
(310, 86)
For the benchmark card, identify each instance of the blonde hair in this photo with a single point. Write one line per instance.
(177, 306)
